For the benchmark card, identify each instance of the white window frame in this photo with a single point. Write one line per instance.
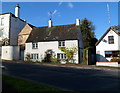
(34, 56)
(2, 22)
(111, 41)
(1, 31)
(34, 45)
(61, 43)
(61, 55)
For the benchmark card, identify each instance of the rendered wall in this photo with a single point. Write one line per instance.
(53, 45)
(6, 26)
(104, 46)
(10, 53)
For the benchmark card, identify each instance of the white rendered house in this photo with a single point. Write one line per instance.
(11, 25)
(46, 41)
(108, 46)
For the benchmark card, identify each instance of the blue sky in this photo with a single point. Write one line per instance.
(37, 13)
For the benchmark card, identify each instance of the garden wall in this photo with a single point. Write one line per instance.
(111, 64)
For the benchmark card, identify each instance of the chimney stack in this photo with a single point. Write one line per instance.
(77, 22)
(50, 23)
(17, 10)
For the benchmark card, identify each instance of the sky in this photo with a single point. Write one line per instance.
(63, 13)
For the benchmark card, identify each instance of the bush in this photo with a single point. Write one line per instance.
(115, 60)
(27, 57)
(72, 63)
(54, 60)
(70, 52)
(37, 61)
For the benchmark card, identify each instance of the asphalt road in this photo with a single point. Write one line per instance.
(77, 79)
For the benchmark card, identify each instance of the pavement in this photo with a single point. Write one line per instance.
(83, 79)
(67, 65)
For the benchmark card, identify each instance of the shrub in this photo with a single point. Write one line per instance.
(37, 61)
(54, 60)
(115, 60)
(27, 57)
(70, 52)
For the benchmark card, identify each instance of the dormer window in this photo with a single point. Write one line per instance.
(61, 43)
(34, 45)
(111, 39)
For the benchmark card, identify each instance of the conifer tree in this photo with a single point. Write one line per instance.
(88, 35)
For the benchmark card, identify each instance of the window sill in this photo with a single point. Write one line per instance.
(34, 48)
(61, 46)
(111, 43)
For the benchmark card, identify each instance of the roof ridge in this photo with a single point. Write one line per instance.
(57, 25)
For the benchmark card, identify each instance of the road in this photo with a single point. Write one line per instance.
(77, 79)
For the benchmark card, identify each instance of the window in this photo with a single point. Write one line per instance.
(61, 56)
(111, 53)
(34, 56)
(34, 45)
(2, 21)
(1, 32)
(61, 43)
(111, 39)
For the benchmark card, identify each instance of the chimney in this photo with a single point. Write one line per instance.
(77, 22)
(50, 23)
(17, 10)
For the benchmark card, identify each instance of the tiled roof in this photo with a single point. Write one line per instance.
(62, 32)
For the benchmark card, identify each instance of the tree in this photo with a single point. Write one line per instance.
(70, 52)
(88, 35)
(89, 40)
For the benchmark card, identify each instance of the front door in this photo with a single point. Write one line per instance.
(48, 58)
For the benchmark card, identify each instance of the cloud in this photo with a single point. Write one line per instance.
(70, 5)
(60, 3)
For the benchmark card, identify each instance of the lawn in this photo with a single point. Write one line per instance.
(13, 85)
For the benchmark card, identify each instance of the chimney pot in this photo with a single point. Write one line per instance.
(17, 10)
(50, 23)
(77, 22)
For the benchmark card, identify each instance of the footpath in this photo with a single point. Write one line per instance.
(67, 65)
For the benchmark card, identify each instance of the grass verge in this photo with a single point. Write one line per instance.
(24, 86)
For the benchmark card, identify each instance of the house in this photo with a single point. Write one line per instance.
(10, 26)
(45, 42)
(108, 46)
(22, 38)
